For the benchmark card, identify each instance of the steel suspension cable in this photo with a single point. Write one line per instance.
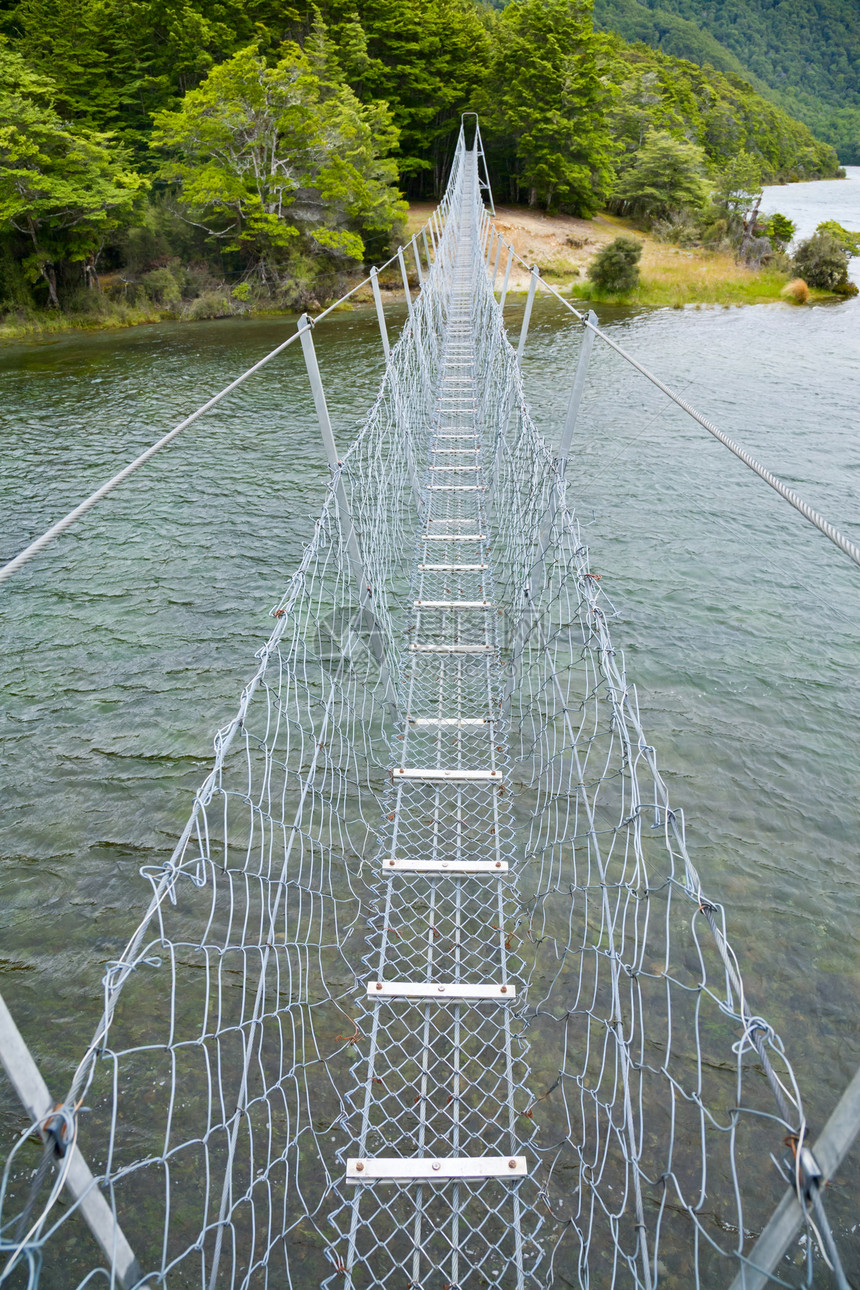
(56, 530)
(794, 499)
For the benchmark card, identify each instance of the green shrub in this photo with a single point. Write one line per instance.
(161, 287)
(211, 304)
(615, 268)
(780, 229)
(847, 239)
(823, 262)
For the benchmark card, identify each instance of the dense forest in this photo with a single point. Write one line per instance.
(803, 55)
(247, 150)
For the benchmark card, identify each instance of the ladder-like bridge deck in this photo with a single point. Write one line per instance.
(440, 1107)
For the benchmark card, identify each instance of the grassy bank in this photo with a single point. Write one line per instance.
(102, 310)
(38, 324)
(562, 247)
(673, 278)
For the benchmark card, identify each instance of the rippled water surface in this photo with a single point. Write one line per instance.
(808, 204)
(126, 644)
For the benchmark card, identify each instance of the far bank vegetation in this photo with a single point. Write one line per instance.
(204, 160)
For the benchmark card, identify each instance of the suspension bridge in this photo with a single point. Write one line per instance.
(430, 994)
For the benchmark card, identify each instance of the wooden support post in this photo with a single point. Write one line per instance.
(377, 296)
(26, 1079)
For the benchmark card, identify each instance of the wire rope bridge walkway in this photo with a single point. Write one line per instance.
(429, 994)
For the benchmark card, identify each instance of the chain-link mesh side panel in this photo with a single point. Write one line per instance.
(213, 1088)
(655, 1120)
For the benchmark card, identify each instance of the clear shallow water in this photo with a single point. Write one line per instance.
(126, 645)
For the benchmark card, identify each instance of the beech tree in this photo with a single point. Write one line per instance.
(425, 58)
(281, 157)
(546, 94)
(667, 176)
(63, 187)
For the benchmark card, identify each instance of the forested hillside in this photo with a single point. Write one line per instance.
(804, 55)
(225, 152)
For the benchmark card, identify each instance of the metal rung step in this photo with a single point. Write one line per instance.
(451, 649)
(455, 450)
(454, 568)
(454, 604)
(438, 775)
(457, 470)
(437, 990)
(451, 721)
(453, 519)
(393, 865)
(454, 537)
(426, 1169)
(457, 488)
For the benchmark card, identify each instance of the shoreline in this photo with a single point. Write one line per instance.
(673, 277)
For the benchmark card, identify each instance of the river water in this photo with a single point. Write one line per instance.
(808, 204)
(125, 646)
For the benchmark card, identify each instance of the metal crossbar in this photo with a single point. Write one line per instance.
(429, 993)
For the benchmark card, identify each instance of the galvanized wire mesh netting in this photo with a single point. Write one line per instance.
(429, 994)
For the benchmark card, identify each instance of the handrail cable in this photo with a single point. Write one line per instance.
(38, 544)
(794, 499)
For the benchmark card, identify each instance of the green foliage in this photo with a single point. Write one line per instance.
(546, 103)
(667, 176)
(161, 287)
(822, 261)
(802, 55)
(780, 229)
(719, 112)
(425, 59)
(615, 268)
(282, 128)
(274, 155)
(63, 189)
(846, 237)
(739, 185)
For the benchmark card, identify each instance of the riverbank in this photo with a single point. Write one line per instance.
(671, 276)
(561, 245)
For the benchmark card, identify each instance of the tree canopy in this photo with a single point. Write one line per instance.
(280, 155)
(801, 55)
(62, 188)
(667, 175)
(269, 140)
(545, 96)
